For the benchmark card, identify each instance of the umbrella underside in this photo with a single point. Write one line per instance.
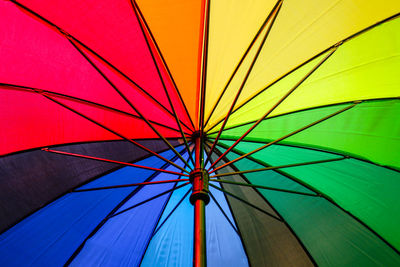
(172, 133)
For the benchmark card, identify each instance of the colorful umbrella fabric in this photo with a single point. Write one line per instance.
(207, 132)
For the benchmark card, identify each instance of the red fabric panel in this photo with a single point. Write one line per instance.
(150, 109)
(30, 120)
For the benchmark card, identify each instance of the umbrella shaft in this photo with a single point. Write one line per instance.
(199, 248)
(199, 198)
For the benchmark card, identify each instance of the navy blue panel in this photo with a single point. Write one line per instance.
(51, 235)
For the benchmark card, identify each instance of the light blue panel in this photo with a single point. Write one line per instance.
(173, 243)
(51, 235)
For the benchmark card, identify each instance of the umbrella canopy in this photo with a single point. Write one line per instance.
(213, 132)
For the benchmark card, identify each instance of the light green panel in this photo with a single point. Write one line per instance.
(370, 130)
(365, 67)
(368, 191)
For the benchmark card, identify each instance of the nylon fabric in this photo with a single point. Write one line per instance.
(52, 234)
(223, 244)
(257, 107)
(176, 26)
(335, 239)
(233, 25)
(97, 26)
(148, 107)
(120, 123)
(46, 176)
(38, 127)
(32, 121)
(172, 245)
(354, 72)
(298, 36)
(26, 44)
(367, 191)
(267, 240)
(369, 130)
(127, 234)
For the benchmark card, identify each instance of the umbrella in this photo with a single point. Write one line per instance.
(213, 132)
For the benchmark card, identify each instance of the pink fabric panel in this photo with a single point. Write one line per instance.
(110, 28)
(33, 54)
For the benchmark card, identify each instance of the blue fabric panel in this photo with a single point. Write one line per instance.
(224, 247)
(51, 235)
(172, 245)
(123, 239)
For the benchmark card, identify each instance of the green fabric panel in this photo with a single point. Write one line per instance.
(331, 236)
(370, 130)
(273, 178)
(368, 191)
(365, 67)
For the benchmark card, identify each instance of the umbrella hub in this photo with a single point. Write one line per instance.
(199, 179)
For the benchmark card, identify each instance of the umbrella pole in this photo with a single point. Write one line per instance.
(199, 199)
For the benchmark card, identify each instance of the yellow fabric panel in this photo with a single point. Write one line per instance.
(258, 106)
(365, 67)
(176, 26)
(225, 103)
(233, 25)
(305, 28)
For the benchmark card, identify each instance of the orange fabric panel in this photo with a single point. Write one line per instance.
(176, 26)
